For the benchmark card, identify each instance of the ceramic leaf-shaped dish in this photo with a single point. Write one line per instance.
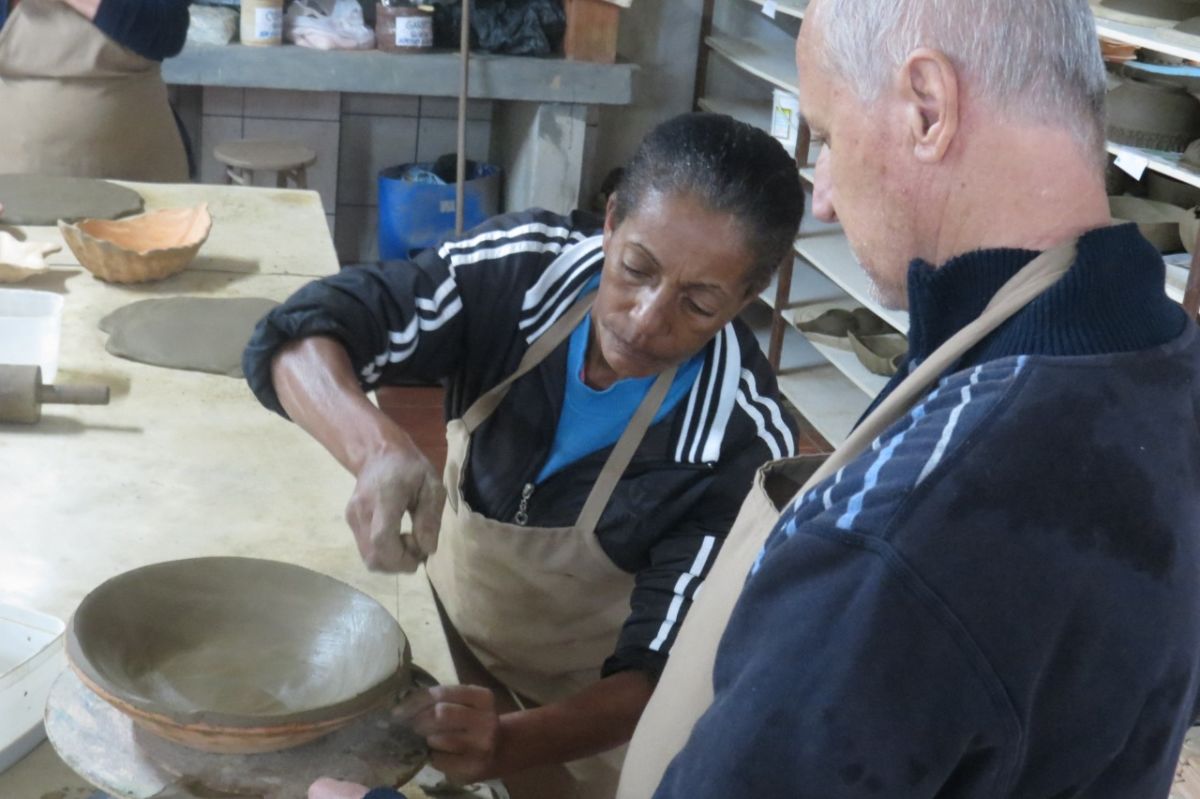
(140, 248)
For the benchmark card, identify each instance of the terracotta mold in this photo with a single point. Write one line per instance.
(1154, 115)
(141, 248)
(237, 655)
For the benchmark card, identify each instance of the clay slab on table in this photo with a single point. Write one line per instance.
(43, 199)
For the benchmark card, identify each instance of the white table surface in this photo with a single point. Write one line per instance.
(182, 464)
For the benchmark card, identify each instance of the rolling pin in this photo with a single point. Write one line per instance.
(22, 394)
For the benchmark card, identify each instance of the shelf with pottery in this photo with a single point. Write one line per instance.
(791, 8)
(812, 294)
(816, 387)
(777, 68)
(828, 250)
(1165, 163)
(1160, 40)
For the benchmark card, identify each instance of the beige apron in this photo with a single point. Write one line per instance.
(684, 692)
(541, 608)
(73, 102)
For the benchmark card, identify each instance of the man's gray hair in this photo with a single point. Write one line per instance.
(1039, 59)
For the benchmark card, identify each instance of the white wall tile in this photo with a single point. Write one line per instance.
(447, 108)
(381, 105)
(436, 137)
(223, 101)
(277, 104)
(369, 144)
(213, 131)
(356, 235)
(323, 137)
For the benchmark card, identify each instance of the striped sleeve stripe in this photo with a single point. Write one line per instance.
(432, 313)
(568, 289)
(939, 451)
(543, 292)
(767, 417)
(557, 233)
(681, 588)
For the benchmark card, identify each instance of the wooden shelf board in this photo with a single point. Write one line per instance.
(828, 251)
(778, 69)
(752, 113)
(1168, 164)
(1161, 40)
(791, 8)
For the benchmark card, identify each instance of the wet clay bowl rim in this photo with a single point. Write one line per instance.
(219, 731)
(138, 249)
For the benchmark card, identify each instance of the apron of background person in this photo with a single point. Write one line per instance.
(685, 690)
(74, 102)
(540, 607)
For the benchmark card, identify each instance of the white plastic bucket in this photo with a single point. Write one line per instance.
(30, 328)
(31, 657)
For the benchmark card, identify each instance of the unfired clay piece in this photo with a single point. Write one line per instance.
(20, 260)
(237, 642)
(1158, 222)
(43, 200)
(146, 247)
(196, 333)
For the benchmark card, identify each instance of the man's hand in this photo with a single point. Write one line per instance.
(397, 480)
(326, 788)
(461, 726)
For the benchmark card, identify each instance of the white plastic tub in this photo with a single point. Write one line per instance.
(31, 657)
(30, 328)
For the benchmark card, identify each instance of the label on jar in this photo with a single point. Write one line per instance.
(414, 31)
(268, 24)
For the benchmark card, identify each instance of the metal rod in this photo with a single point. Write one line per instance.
(464, 47)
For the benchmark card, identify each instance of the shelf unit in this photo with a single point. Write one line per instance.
(746, 55)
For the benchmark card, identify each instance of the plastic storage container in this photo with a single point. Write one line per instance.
(414, 216)
(30, 327)
(31, 658)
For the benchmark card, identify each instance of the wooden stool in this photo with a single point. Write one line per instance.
(288, 160)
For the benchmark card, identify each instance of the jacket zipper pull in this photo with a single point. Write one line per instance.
(522, 517)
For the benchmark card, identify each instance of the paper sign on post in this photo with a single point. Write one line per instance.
(1134, 164)
(770, 7)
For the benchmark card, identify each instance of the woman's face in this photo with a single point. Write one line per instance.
(675, 273)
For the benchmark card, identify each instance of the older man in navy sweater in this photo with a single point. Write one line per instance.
(1000, 597)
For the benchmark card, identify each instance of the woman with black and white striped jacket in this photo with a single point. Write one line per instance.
(565, 558)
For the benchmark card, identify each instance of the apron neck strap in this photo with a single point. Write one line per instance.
(486, 405)
(622, 453)
(1024, 287)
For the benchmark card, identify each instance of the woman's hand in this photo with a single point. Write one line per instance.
(461, 726)
(396, 480)
(326, 788)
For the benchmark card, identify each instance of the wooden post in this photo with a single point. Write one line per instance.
(592, 27)
(460, 185)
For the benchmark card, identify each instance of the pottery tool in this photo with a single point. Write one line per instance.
(22, 394)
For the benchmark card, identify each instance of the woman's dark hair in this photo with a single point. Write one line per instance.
(731, 167)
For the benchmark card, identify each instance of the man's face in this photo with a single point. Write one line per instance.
(674, 274)
(864, 176)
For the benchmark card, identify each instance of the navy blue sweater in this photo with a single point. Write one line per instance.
(1002, 597)
(154, 29)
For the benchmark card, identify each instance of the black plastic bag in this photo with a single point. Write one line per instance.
(511, 27)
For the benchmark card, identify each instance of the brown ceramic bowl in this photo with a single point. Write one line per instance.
(237, 655)
(139, 248)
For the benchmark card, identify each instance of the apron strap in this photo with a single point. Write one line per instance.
(622, 453)
(486, 405)
(1022, 288)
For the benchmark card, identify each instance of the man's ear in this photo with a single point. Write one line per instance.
(610, 217)
(928, 87)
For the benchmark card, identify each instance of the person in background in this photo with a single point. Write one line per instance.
(82, 90)
(608, 413)
(998, 594)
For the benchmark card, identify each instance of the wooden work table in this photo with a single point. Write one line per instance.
(180, 464)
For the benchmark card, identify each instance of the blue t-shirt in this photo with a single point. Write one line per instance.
(592, 420)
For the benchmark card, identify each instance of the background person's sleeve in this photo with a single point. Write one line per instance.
(154, 29)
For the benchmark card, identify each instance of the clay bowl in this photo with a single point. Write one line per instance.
(237, 655)
(139, 248)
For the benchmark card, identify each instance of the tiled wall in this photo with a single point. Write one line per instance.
(354, 136)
